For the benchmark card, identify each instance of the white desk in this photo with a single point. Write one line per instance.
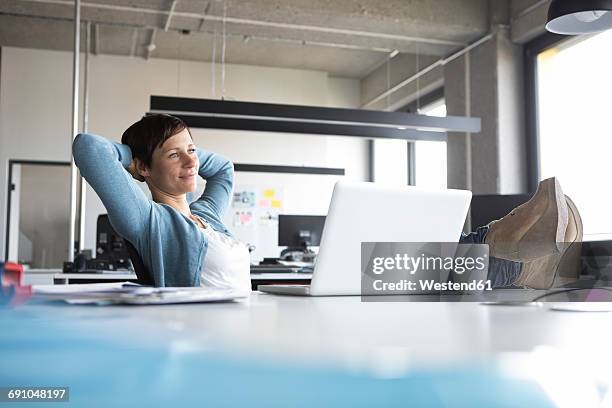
(40, 276)
(165, 347)
(344, 330)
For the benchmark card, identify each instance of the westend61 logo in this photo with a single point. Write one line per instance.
(439, 268)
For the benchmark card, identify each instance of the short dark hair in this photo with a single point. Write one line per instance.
(150, 132)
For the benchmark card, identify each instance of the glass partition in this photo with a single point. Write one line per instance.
(38, 214)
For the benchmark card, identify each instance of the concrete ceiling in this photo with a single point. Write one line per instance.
(347, 38)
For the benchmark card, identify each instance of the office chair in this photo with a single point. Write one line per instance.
(142, 273)
(489, 207)
(112, 247)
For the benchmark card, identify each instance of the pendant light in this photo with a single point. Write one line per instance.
(579, 16)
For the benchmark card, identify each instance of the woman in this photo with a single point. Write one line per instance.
(181, 244)
(186, 244)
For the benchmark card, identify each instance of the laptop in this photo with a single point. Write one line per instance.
(368, 212)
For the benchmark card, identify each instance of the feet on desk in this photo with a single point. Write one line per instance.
(559, 268)
(544, 234)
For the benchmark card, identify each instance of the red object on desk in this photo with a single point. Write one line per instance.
(13, 291)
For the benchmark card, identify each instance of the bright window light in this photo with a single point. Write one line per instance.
(391, 162)
(575, 130)
(430, 165)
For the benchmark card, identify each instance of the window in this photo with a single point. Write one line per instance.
(390, 161)
(572, 124)
(430, 157)
(392, 157)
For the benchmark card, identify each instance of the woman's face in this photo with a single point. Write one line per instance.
(174, 165)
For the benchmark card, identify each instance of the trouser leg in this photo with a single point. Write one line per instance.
(502, 273)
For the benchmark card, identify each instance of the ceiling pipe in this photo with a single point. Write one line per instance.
(134, 40)
(243, 21)
(206, 9)
(211, 32)
(439, 63)
(390, 55)
(169, 19)
(151, 46)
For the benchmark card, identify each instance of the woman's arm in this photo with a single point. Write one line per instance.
(103, 164)
(219, 175)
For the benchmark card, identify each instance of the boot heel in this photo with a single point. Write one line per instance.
(569, 267)
(560, 268)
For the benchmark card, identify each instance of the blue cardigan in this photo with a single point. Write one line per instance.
(171, 245)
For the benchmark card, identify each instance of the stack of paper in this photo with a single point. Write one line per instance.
(130, 293)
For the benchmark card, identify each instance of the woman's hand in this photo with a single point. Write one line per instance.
(134, 172)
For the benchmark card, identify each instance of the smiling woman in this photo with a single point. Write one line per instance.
(181, 244)
(165, 141)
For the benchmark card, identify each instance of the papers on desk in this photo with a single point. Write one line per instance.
(132, 294)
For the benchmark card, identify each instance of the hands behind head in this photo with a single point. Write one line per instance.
(134, 172)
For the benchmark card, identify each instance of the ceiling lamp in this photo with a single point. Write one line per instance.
(268, 117)
(579, 16)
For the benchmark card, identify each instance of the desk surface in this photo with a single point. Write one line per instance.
(338, 335)
(338, 329)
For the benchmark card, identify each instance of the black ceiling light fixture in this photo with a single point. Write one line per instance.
(579, 16)
(268, 117)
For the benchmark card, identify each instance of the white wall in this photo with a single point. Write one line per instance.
(35, 110)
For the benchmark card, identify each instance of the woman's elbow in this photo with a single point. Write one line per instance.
(78, 147)
(230, 170)
(81, 144)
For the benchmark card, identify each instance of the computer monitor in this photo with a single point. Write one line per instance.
(300, 231)
(110, 246)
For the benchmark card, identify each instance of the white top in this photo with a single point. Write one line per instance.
(227, 263)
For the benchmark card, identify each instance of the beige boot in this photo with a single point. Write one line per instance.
(561, 268)
(534, 229)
